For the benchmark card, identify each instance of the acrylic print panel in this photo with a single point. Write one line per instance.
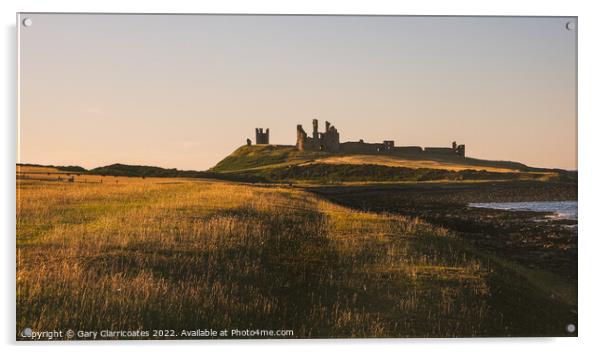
(259, 177)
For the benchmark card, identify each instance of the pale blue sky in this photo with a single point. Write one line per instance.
(185, 90)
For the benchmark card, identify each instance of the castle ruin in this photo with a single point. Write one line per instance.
(329, 141)
(262, 137)
(326, 141)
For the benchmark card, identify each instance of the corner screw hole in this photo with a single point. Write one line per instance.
(570, 25)
(570, 328)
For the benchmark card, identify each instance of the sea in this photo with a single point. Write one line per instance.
(562, 210)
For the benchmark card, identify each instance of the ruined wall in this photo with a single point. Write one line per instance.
(407, 150)
(359, 147)
(461, 150)
(301, 138)
(387, 147)
(329, 140)
(440, 151)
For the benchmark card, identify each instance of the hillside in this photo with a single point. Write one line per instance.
(36, 168)
(273, 156)
(152, 171)
(286, 163)
(265, 156)
(451, 163)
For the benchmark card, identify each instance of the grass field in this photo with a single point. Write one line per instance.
(182, 254)
(394, 161)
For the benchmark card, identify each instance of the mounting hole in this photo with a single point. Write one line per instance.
(27, 22)
(570, 328)
(570, 25)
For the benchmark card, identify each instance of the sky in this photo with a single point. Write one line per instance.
(184, 91)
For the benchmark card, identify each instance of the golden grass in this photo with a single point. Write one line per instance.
(395, 161)
(185, 254)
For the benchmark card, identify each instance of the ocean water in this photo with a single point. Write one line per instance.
(562, 210)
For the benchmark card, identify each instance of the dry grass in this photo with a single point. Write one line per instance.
(32, 174)
(395, 161)
(182, 254)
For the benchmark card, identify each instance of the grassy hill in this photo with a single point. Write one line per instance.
(265, 156)
(274, 156)
(286, 163)
(152, 171)
(449, 163)
(30, 167)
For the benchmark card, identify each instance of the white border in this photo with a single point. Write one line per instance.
(589, 167)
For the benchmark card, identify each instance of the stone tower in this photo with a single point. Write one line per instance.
(262, 137)
(301, 137)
